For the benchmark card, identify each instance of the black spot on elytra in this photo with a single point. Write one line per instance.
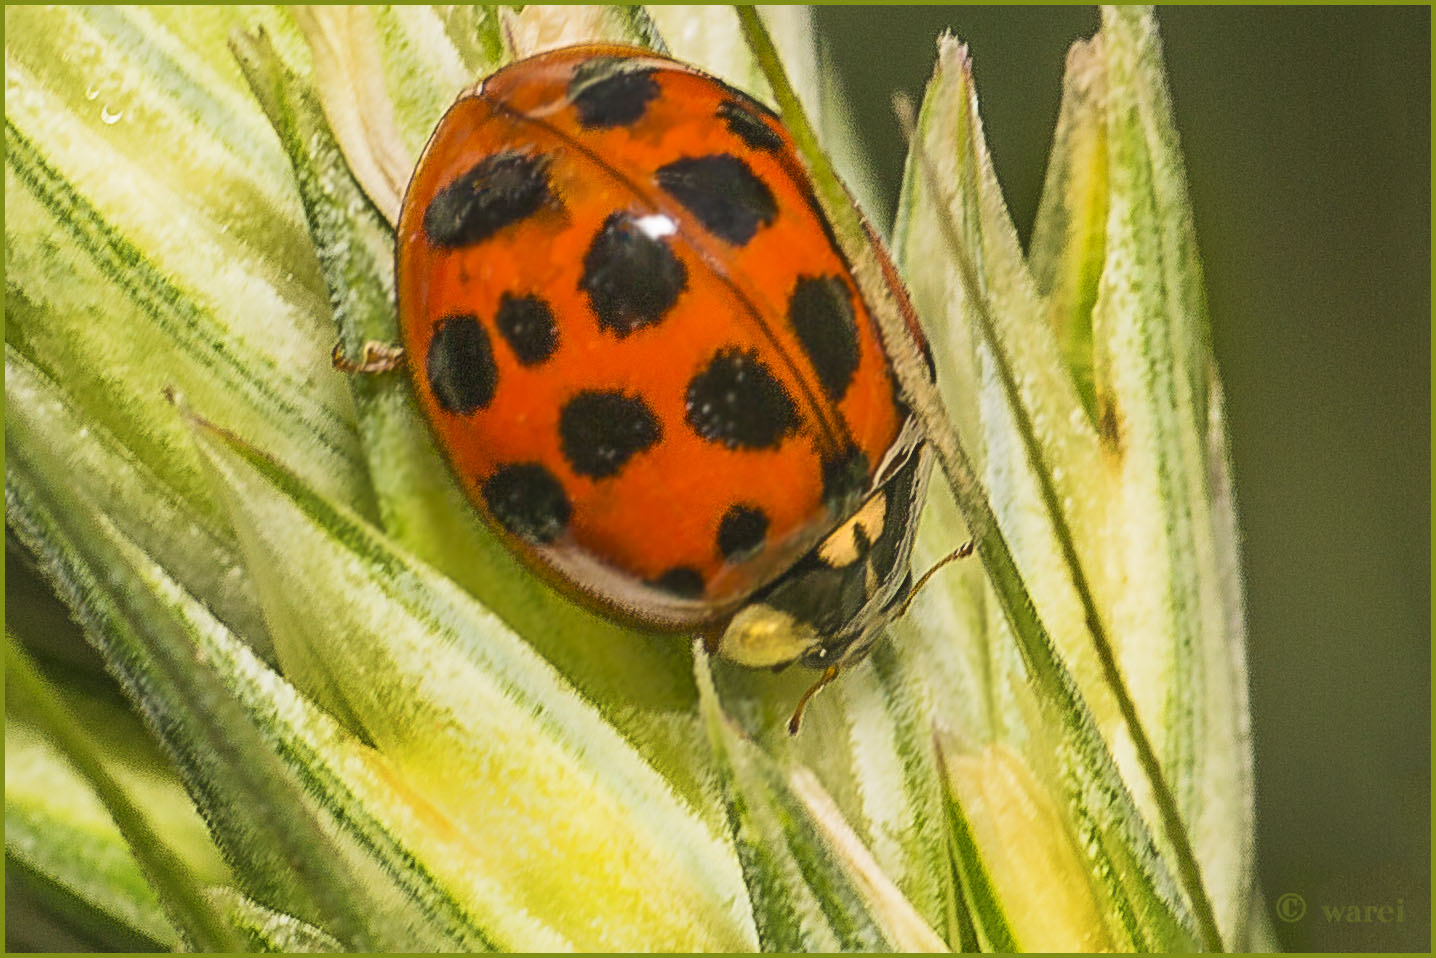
(845, 480)
(606, 92)
(741, 532)
(680, 581)
(632, 279)
(495, 192)
(600, 431)
(527, 325)
(722, 192)
(528, 501)
(460, 365)
(736, 401)
(743, 123)
(821, 313)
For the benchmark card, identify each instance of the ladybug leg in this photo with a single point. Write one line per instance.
(830, 673)
(378, 358)
(961, 552)
(859, 650)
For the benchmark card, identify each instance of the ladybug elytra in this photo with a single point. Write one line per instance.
(647, 360)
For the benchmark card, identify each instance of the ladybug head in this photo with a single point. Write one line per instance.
(827, 610)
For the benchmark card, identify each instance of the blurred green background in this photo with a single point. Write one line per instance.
(1307, 139)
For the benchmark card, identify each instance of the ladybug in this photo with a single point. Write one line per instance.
(643, 353)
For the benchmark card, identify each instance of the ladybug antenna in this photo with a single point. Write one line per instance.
(830, 673)
(961, 552)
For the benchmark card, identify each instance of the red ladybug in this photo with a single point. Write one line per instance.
(648, 362)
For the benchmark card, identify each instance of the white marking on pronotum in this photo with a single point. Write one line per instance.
(842, 547)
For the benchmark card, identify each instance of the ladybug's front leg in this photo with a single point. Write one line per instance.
(378, 358)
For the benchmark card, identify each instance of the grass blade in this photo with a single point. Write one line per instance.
(196, 718)
(812, 885)
(166, 872)
(267, 930)
(469, 715)
(1164, 439)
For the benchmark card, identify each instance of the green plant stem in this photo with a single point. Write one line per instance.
(1172, 823)
(177, 885)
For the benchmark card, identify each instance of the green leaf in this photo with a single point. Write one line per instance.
(127, 753)
(866, 738)
(148, 630)
(60, 838)
(179, 530)
(43, 914)
(1111, 829)
(813, 886)
(476, 32)
(208, 285)
(353, 791)
(130, 271)
(900, 921)
(970, 381)
(265, 929)
(1164, 446)
(1021, 868)
(1036, 445)
(157, 862)
(1069, 236)
(465, 711)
